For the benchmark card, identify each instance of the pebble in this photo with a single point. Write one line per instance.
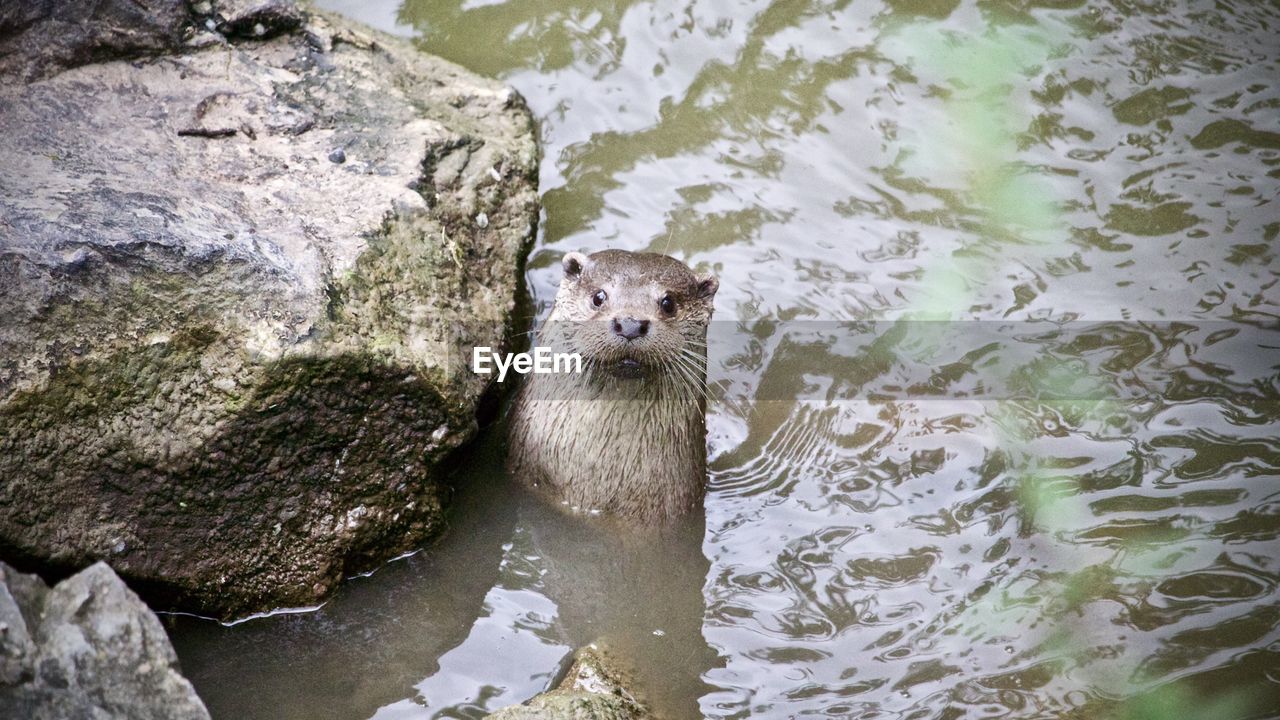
(339, 156)
(482, 221)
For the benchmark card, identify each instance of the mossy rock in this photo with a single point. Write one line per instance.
(232, 359)
(595, 688)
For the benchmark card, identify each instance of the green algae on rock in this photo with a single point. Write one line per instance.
(229, 364)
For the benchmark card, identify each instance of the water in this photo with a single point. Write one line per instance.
(1063, 502)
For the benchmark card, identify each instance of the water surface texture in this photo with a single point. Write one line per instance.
(994, 377)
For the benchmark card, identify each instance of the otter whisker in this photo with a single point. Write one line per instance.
(692, 376)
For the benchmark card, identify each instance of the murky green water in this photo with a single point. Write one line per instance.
(1062, 503)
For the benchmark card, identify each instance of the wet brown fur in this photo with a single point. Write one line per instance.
(625, 439)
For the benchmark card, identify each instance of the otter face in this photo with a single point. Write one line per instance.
(633, 315)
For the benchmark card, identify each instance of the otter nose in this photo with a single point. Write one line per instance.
(630, 328)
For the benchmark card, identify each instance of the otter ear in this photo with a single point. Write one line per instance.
(574, 263)
(707, 286)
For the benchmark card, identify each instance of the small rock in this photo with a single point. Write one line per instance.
(594, 689)
(482, 221)
(258, 18)
(73, 647)
(338, 156)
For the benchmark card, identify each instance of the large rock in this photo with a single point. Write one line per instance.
(593, 689)
(88, 648)
(239, 284)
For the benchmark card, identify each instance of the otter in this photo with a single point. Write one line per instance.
(627, 435)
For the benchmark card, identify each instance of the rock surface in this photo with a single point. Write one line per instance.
(87, 648)
(228, 364)
(594, 689)
(39, 38)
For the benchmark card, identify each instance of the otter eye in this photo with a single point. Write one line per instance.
(599, 298)
(667, 305)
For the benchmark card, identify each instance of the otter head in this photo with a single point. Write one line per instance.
(635, 315)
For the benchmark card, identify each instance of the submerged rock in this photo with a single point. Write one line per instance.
(594, 689)
(228, 364)
(87, 648)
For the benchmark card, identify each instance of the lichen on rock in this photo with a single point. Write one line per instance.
(228, 363)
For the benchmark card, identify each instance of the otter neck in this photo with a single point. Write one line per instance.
(627, 446)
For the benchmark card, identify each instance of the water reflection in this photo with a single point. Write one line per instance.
(371, 643)
(1075, 516)
(511, 654)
